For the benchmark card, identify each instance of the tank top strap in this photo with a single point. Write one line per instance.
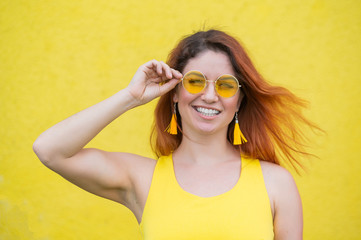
(251, 172)
(160, 184)
(162, 171)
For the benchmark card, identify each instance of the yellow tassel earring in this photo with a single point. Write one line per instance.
(172, 127)
(238, 137)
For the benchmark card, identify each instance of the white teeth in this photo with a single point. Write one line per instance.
(207, 112)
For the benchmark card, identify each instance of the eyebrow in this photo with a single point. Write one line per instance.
(227, 76)
(199, 74)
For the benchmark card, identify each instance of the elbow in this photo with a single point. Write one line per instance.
(40, 151)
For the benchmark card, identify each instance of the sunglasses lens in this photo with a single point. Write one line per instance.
(227, 86)
(194, 82)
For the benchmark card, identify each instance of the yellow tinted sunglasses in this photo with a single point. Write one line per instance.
(195, 82)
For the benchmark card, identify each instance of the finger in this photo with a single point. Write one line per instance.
(176, 74)
(167, 70)
(154, 66)
(158, 67)
(167, 86)
(150, 68)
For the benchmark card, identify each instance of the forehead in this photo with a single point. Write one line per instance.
(211, 63)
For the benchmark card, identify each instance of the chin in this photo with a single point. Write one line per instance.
(208, 129)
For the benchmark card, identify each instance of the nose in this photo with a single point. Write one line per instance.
(209, 94)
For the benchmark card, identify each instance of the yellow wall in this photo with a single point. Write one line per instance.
(59, 57)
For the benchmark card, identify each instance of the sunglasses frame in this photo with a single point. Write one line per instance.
(239, 85)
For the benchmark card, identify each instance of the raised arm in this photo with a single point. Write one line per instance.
(106, 174)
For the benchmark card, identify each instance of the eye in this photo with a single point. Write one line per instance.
(196, 81)
(224, 84)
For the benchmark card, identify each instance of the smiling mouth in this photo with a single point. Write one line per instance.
(207, 112)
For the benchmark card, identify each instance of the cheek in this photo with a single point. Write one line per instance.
(233, 108)
(181, 95)
(181, 98)
(235, 103)
(241, 96)
(178, 93)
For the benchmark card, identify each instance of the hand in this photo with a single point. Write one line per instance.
(152, 80)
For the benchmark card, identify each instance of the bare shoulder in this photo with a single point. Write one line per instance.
(279, 183)
(275, 174)
(132, 159)
(285, 201)
(278, 180)
(137, 166)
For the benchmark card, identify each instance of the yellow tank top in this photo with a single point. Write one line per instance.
(244, 212)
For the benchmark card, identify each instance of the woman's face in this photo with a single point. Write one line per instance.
(206, 112)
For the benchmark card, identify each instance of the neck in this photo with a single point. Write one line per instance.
(205, 149)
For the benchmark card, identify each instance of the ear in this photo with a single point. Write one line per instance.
(175, 95)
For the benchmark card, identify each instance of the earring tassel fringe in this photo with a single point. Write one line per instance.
(172, 127)
(238, 137)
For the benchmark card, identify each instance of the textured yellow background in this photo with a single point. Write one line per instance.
(59, 57)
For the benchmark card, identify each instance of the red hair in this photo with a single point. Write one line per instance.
(269, 116)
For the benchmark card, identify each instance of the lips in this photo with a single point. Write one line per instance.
(207, 111)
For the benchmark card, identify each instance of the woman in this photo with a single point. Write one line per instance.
(220, 131)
